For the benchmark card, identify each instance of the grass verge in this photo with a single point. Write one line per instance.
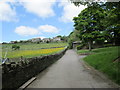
(105, 60)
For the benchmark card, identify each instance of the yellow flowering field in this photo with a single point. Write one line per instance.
(32, 53)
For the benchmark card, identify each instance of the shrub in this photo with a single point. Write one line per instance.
(70, 43)
(47, 41)
(80, 46)
(15, 47)
(38, 42)
(108, 45)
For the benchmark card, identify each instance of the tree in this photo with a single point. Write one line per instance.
(4, 42)
(89, 23)
(59, 36)
(86, 2)
(64, 38)
(74, 36)
(47, 41)
(113, 20)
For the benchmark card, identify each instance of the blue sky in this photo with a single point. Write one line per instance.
(26, 19)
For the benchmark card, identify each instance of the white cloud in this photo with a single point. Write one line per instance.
(70, 11)
(40, 8)
(11, 1)
(48, 29)
(6, 12)
(41, 37)
(26, 31)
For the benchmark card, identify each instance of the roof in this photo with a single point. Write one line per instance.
(76, 42)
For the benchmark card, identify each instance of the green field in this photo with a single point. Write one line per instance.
(105, 60)
(31, 49)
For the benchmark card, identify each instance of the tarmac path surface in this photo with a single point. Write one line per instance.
(70, 72)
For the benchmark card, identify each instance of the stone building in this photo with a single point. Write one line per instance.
(46, 40)
(35, 40)
(56, 39)
(75, 44)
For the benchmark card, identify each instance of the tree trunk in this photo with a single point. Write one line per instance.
(117, 39)
(90, 45)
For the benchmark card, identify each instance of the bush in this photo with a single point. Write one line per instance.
(47, 41)
(108, 45)
(38, 42)
(70, 44)
(80, 46)
(15, 47)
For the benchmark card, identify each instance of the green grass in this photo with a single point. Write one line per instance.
(84, 52)
(102, 59)
(32, 46)
(31, 49)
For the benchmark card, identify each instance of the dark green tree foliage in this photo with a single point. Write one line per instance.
(83, 2)
(98, 22)
(74, 36)
(59, 36)
(91, 2)
(113, 20)
(89, 23)
(64, 38)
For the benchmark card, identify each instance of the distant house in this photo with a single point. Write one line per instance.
(46, 40)
(12, 42)
(56, 39)
(35, 40)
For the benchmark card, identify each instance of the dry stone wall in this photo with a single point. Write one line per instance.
(15, 74)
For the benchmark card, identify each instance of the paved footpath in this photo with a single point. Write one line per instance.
(70, 72)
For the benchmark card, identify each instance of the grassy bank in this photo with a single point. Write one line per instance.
(105, 60)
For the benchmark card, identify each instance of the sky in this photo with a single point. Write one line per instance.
(26, 19)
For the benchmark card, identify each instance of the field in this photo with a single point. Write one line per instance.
(31, 49)
(105, 60)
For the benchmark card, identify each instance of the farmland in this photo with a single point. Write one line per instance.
(31, 49)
